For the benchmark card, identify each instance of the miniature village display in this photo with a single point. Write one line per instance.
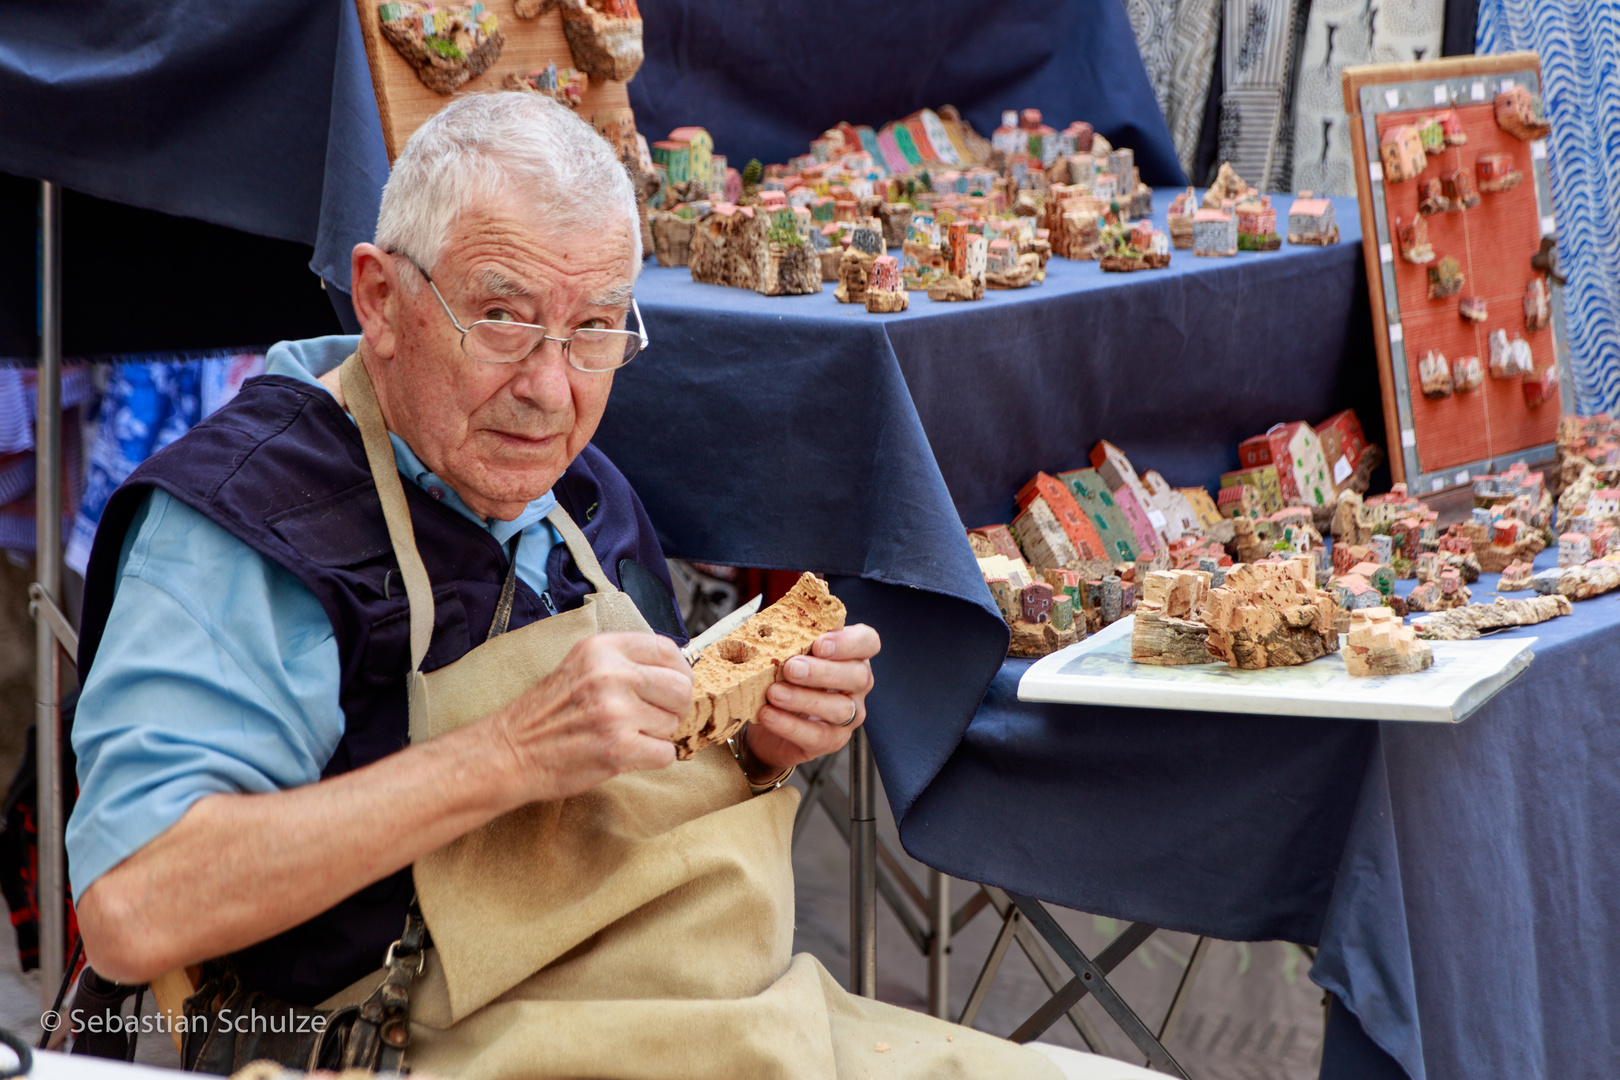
(448, 46)
(730, 679)
(1460, 273)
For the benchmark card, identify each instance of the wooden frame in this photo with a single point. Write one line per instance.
(404, 103)
(1383, 90)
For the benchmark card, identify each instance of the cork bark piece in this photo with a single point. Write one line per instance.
(730, 679)
(1378, 644)
(1467, 623)
(1271, 615)
(1167, 630)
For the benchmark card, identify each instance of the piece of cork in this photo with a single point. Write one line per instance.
(730, 679)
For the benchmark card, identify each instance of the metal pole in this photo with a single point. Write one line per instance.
(939, 945)
(862, 867)
(48, 572)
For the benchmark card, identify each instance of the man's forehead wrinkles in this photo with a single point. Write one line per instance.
(498, 284)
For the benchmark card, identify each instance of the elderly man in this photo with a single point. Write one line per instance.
(373, 640)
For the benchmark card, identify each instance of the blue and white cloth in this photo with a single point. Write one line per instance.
(1579, 44)
(150, 401)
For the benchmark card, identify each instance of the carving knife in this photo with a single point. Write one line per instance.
(695, 647)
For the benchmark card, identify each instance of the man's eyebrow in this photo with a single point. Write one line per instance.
(498, 284)
(616, 297)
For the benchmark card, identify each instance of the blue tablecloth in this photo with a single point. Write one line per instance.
(1455, 877)
(816, 435)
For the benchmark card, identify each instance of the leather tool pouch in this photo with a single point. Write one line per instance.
(228, 1026)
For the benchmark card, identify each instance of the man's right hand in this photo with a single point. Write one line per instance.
(609, 708)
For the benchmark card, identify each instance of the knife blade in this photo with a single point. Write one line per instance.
(726, 625)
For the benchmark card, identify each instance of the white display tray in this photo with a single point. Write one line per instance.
(1099, 671)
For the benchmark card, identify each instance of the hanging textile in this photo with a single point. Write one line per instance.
(1340, 34)
(1579, 45)
(19, 404)
(1258, 65)
(150, 402)
(1177, 40)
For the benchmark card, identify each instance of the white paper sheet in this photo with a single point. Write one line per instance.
(1099, 671)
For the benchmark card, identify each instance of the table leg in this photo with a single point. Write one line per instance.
(862, 867)
(939, 945)
(1183, 989)
(1090, 978)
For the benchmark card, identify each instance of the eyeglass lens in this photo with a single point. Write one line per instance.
(593, 350)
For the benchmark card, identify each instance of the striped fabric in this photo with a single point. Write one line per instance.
(1177, 40)
(1579, 44)
(1256, 132)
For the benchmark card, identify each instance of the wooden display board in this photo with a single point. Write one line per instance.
(404, 103)
(1439, 443)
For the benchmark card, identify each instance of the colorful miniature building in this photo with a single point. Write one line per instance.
(1302, 473)
(1445, 278)
(1310, 221)
(675, 158)
(1215, 233)
(1257, 225)
(700, 153)
(1413, 238)
(1518, 112)
(1431, 134)
(1458, 185)
(1402, 151)
(1574, 549)
(1434, 375)
(1264, 480)
(1604, 503)
(1466, 373)
(1537, 307)
(1343, 444)
(1037, 602)
(1060, 500)
(1451, 124)
(1495, 172)
(1473, 309)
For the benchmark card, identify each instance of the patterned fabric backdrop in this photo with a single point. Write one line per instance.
(1340, 34)
(1579, 43)
(1177, 39)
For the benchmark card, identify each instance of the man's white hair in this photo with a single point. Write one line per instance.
(482, 146)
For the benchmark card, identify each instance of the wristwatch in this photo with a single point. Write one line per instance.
(737, 745)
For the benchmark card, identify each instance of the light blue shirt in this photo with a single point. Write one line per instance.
(218, 670)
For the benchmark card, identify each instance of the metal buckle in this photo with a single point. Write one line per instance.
(421, 957)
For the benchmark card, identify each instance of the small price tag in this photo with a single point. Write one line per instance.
(1392, 98)
(1386, 253)
(1549, 226)
(1341, 469)
(1441, 95)
(1375, 171)
(1538, 149)
(1507, 84)
(1462, 477)
(1157, 518)
(1437, 483)
(1408, 437)
(1477, 91)
(1395, 333)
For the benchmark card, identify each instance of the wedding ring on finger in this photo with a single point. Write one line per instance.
(854, 710)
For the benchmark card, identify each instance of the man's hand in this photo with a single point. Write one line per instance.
(610, 707)
(808, 712)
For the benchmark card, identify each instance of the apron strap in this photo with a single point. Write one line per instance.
(361, 400)
(580, 549)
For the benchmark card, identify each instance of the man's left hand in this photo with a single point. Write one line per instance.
(808, 713)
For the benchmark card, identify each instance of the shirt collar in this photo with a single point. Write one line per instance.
(308, 360)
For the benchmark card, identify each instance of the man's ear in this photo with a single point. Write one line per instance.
(377, 298)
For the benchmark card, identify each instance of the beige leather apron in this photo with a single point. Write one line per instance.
(643, 929)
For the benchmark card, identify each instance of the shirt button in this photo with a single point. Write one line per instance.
(437, 492)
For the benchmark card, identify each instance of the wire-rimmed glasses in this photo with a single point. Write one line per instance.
(498, 341)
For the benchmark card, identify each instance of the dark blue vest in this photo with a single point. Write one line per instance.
(283, 469)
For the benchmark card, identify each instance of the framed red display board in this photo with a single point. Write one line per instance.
(1486, 236)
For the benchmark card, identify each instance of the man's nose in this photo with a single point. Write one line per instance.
(542, 378)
